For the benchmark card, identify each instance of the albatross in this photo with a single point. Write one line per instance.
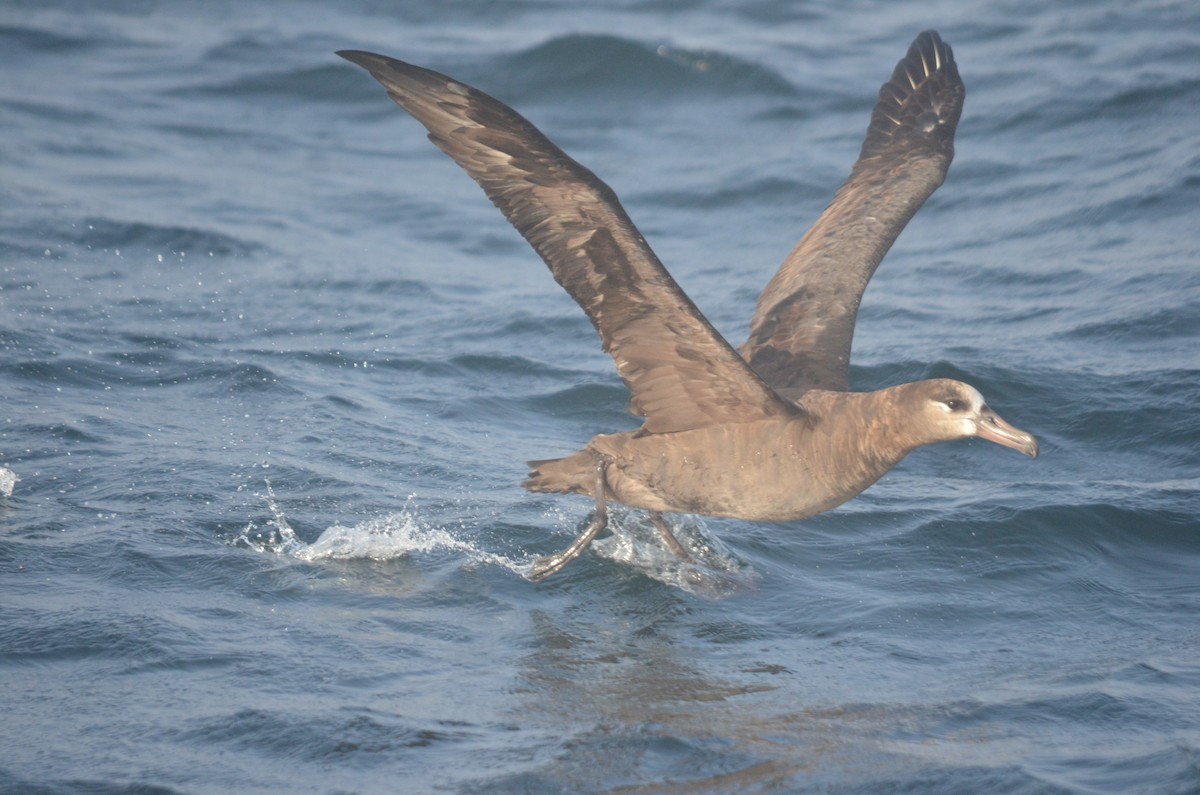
(766, 432)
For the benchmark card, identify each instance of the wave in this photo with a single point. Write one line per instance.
(338, 740)
(105, 233)
(326, 83)
(42, 41)
(607, 65)
(147, 368)
(769, 191)
(1154, 323)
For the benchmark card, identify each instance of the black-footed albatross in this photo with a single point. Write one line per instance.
(768, 432)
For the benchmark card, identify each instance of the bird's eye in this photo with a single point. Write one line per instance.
(954, 404)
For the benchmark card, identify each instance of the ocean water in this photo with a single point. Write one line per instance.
(270, 366)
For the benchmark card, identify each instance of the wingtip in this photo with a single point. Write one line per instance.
(928, 39)
(921, 103)
(359, 57)
(929, 47)
(933, 56)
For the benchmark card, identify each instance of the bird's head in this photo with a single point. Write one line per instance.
(947, 410)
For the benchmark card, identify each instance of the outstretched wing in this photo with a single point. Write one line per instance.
(804, 321)
(680, 372)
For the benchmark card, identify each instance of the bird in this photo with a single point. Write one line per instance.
(766, 432)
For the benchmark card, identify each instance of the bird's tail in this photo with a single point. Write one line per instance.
(575, 474)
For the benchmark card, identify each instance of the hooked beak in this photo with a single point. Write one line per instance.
(994, 429)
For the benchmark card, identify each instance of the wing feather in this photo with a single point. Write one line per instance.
(803, 324)
(680, 372)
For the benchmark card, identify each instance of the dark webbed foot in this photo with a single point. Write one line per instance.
(544, 566)
(672, 542)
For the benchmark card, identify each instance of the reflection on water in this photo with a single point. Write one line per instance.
(632, 703)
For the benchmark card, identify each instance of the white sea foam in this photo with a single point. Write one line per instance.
(8, 479)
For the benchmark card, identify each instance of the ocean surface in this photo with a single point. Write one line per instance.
(271, 366)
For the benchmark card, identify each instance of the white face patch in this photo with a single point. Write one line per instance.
(968, 425)
(961, 420)
(975, 398)
(963, 416)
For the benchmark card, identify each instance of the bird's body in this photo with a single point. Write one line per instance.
(771, 469)
(768, 432)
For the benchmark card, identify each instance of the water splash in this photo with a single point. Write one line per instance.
(393, 536)
(8, 479)
(382, 538)
(711, 572)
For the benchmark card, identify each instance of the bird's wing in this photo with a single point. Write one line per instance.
(680, 372)
(804, 321)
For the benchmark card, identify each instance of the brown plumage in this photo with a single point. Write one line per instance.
(767, 435)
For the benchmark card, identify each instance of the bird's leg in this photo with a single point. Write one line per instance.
(673, 544)
(546, 565)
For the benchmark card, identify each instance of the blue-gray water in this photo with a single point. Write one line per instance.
(270, 366)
